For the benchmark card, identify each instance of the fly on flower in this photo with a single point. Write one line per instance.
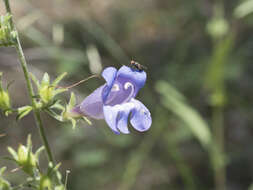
(137, 65)
(115, 100)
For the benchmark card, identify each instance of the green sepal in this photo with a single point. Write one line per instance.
(59, 91)
(38, 152)
(4, 184)
(23, 111)
(25, 158)
(7, 35)
(72, 101)
(5, 103)
(54, 115)
(59, 78)
(45, 183)
(87, 120)
(73, 122)
(57, 105)
(35, 80)
(13, 153)
(45, 80)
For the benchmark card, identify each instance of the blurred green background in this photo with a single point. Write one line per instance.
(199, 90)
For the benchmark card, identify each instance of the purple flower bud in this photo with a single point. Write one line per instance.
(115, 100)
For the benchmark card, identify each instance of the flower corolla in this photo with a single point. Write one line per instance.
(115, 101)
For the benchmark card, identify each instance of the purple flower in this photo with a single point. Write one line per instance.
(115, 100)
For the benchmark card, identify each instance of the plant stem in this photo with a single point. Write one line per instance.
(30, 88)
(218, 135)
(8, 9)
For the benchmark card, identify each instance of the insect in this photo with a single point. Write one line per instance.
(137, 65)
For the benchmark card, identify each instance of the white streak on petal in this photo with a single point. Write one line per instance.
(115, 88)
(126, 86)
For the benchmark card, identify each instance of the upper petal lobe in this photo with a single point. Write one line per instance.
(136, 77)
(109, 74)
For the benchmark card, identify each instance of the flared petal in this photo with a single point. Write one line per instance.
(122, 119)
(141, 118)
(109, 74)
(111, 114)
(133, 76)
(92, 105)
(117, 116)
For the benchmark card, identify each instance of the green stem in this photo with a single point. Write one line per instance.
(218, 152)
(30, 88)
(8, 9)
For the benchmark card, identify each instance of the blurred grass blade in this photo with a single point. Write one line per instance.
(95, 62)
(244, 9)
(173, 101)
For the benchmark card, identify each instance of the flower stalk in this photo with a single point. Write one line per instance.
(23, 63)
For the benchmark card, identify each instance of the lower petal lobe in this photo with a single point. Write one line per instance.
(111, 114)
(141, 117)
(116, 116)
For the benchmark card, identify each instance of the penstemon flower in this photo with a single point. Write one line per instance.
(115, 100)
